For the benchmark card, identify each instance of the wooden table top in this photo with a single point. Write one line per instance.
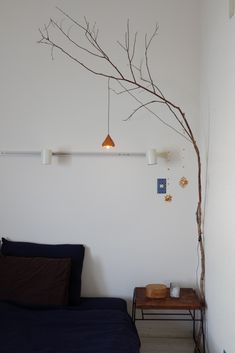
(188, 300)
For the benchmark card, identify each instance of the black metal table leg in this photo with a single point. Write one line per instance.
(193, 317)
(133, 306)
(203, 334)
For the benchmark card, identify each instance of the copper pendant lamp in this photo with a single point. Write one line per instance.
(108, 141)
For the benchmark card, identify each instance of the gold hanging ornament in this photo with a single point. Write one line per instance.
(168, 198)
(183, 182)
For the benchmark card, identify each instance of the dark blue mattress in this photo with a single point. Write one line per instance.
(95, 326)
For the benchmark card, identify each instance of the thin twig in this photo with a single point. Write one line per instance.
(147, 45)
(130, 56)
(153, 113)
(126, 90)
(47, 41)
(75, 43)
(140, 107)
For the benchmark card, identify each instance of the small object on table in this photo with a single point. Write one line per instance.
(174, 290)
(156, 291)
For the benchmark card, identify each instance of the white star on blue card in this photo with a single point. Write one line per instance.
(161, 186)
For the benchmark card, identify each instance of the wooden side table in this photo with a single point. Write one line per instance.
(184, 307)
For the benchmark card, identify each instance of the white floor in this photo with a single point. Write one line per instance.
(165, 337)
(166, 345)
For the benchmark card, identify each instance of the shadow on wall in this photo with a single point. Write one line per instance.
(93, 281)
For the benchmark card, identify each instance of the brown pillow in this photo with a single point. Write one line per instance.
(34, 280)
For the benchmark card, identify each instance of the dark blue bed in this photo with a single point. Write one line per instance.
(41, 310)
(96, 326)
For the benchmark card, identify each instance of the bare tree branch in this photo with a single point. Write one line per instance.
(153, 113)
(93, 39)
(47, 41)
(163, 97)
(135, 83)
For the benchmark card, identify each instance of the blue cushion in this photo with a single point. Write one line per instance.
(73, 251)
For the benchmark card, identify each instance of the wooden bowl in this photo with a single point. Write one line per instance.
(156, 291)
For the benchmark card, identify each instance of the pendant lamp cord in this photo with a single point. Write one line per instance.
(108, 103)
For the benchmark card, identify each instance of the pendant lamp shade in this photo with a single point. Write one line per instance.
(108, 142)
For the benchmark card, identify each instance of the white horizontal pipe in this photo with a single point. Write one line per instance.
(110, 154)
(5, 153)
(76, 153)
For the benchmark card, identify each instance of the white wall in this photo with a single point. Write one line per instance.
(132, 236)
(218, 112)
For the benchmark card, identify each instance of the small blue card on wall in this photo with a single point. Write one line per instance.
(161, 186)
